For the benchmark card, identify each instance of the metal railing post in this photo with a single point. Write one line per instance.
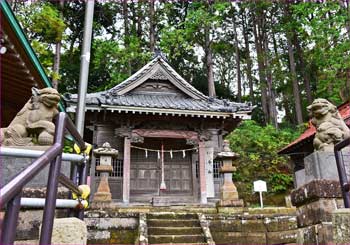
(8, 233)
(52, 184)
(82, 181)
(343, 180)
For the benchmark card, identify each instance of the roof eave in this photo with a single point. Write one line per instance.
(9, 15)
(165, 111)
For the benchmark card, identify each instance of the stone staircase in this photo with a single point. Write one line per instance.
(175, 228)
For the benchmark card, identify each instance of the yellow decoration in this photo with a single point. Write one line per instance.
(85, 189)
(87, 149)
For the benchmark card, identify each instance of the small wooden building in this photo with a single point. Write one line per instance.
(167, 134)
(303, 145)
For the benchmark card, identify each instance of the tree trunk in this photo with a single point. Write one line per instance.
(57, 57)
(126, 32)
(296, 92)
(209, 64)
(249, 62)
(348, 18)
(262, 77)
(151, 24)
(348, 69)
(303, 70)
(139, 19)
(209, 58)
(270, 88)
(238, 66)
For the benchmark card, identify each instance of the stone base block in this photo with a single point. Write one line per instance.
(317, 212)
(11, 166)
(341, 226)
(314, 190)
(69, 231)
(322, 165)
(102, 197)
(282, 237)
(315, 234)
(231, 203)
(239, 238)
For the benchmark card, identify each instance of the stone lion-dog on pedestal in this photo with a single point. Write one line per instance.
(330, 127)
(33, 124)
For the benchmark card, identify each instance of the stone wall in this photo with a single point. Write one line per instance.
(257, 227)
(109, 227)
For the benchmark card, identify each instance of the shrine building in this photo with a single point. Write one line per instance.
(167, 134)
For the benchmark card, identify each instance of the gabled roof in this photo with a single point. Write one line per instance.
(186, 100)
(157, 68)
(309, 134)
(20, 67)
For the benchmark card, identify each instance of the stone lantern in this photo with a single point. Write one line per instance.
(106, 154)
(228, 191)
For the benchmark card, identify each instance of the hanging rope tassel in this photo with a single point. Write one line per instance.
(158, 154)
(146, 153)
(183, 154)
(171, 154)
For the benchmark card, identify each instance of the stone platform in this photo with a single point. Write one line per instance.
(225, 225)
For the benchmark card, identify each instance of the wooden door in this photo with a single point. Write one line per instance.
(144, 172)
(178, 174)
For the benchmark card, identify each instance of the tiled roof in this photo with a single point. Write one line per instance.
(189, 99)
(308, 135)
(160, 101)
(147, 68)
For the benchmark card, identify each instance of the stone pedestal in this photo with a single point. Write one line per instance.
(317, 196)
(106, 153)
(321, 165)
(69, 231)
(228, 191)
(341, 226)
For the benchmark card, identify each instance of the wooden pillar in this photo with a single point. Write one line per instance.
(126, 170)
(202, 178)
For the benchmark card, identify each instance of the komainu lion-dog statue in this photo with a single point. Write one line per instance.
(330, 127)
(33, 124)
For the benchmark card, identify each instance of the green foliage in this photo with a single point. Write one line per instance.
(48, 24)
(280, 182)
(320, 39)
(258, 147)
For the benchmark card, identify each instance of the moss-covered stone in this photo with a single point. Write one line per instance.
(282, 237)
(280, 223)
(253, 225)
(239, 237)
(123, 236)
(225, 225)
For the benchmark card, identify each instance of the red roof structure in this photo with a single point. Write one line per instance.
(308, 135)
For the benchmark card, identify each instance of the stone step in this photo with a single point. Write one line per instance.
(26, 242)
(157, 239)
(171, 215)
(173, 223)
(185, 243)
(175, 230)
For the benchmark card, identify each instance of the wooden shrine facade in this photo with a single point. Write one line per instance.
(167, 134)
